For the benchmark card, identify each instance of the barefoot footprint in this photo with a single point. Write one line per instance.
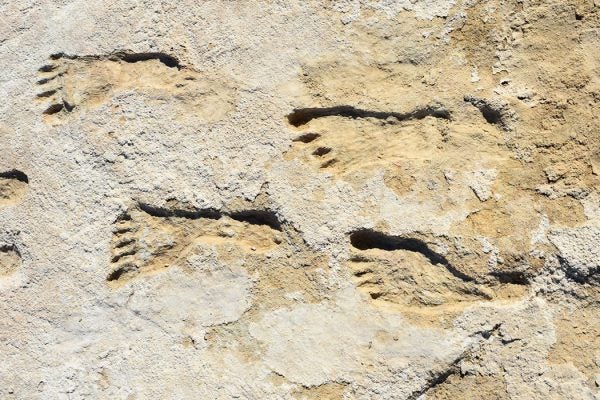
(405, 270)
(346, 139)
(70, 83)
(13, 186)
(148, 239)
(10, 260)
(405, 273)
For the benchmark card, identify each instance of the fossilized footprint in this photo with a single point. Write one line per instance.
(407, 272)
(354, 143)
(13, 186)
(10, 260)
(147, 239)
(346, 139)
(71, 83)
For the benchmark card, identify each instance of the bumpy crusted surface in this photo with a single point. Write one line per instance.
(357, 199)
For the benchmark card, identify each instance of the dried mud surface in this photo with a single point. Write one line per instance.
(350, 199)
